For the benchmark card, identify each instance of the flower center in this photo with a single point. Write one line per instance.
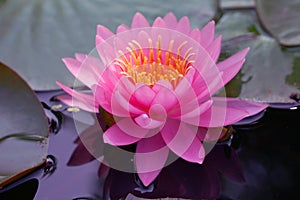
(149, 65)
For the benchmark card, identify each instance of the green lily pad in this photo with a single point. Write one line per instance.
(35, 34)
(23, 126)
(281, 19)
(269, 73)
(235, 24)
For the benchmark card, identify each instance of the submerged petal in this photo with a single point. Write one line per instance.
(150, 158)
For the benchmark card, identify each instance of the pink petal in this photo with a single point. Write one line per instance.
(128, 126)
(83, 71)
(117, 137)
(139, 21)
(105, 50)
(108, 79)
(148, 123)
(142, 38)
(207, 34)
(73, 65)
(151, 155)
(99, 40)
(214, 85)
(232, 65)
(214, 48)
(209, 78)
(103, 97)
(70, 101)
(196, 35)
(80, 57)
(184, 90)
(193, 111)
(162, 84)
(170, 20)
(166, 98)
(120, 106)
(226, 111)
(87, 101)
(183, 25)
(122, 28)
(158, 112)
(94, 65)
(104, 32)
(182, 140)
(204, 64)
(126, 87)
(159, 22)
(142, 97)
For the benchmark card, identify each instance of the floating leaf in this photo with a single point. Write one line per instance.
(35, 34)
(268, 73)
(23, 126)
(281, 19)
(235, 24)
(265, 72)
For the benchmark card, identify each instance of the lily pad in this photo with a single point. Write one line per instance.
(281, 19)
(265, 72)
(23, 126)
(35, 34)
(235, 24)
(268, 74)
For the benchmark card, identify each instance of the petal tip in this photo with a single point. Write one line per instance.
(139, 21)
(147, 178)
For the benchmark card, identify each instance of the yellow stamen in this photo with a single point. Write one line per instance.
(152, 64)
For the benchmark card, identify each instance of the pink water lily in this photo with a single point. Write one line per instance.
(159, 83)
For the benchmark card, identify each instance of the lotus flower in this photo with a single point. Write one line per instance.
(159, 82)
